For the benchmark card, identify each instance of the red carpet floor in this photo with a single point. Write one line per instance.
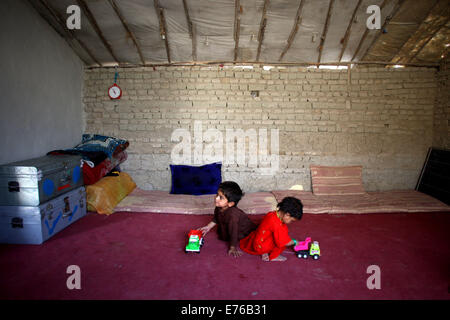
(141, 256)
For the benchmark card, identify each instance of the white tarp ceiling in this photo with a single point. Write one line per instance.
(291, 31)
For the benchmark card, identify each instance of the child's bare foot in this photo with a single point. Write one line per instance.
(279, 258)
(265, 257)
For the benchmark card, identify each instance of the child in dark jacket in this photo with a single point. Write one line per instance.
(233, 224)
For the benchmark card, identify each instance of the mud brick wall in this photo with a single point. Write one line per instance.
(380, 118)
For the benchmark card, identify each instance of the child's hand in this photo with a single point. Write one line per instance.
(205, 230)
(234, 252)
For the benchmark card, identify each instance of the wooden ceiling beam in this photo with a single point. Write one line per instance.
(191, 29)
(127, 29)
(431, 26)
(64, 34)
(70, 34)
(97, 29)
(397, 56)
(237, 27)
(444, 54)
(262, 28)
(394, 11)
(297, 21)
(428, 41)
(344, 40)
(364, 36)
(325, 30)
(162, 27)
(222, 63)
(166, 38)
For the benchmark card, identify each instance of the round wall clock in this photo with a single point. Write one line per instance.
(114, 92)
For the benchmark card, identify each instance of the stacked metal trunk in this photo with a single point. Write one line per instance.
(40, 197)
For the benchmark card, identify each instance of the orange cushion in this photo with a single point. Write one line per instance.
(103, 196)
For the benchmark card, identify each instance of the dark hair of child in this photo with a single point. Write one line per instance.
(293, 206)
(231, 191)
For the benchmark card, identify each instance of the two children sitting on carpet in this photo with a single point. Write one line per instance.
(268, 239)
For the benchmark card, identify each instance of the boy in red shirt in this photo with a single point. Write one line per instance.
(271, 237)
(233, 224)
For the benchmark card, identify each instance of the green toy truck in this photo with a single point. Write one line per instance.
(195, 241)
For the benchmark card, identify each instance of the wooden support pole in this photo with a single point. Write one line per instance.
(428, 39)
(127, 29)
(191, 30)
(294, 30)
(364, 36)
(385, 24)
(237, 27)
(348, 31)
(262, 28)
(398, 55)
(162, 28)
(97, 29)
(286, 64)
(325, 30)
(70, 34)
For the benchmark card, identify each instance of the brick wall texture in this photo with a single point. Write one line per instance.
(380, 118)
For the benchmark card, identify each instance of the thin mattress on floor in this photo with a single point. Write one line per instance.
(371, 202)
(400, 201)
(162, 201)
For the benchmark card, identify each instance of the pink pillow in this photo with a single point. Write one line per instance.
(337, 180)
